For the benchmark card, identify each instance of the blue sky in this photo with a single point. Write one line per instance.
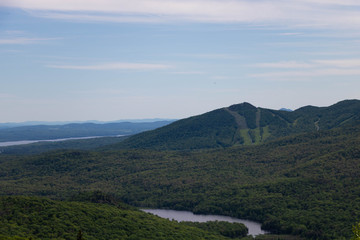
(67, 60)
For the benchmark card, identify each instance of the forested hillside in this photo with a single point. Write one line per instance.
(24, 218)
(306, 184)
(243, 124)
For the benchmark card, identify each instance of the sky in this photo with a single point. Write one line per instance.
(107, 60)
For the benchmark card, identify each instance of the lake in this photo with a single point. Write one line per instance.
(23, 142)
(180, 216)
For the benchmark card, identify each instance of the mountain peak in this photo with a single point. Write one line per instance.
(242, 106)
(244, 124)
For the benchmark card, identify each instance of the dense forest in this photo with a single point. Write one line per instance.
(40, 218)
(306, 184)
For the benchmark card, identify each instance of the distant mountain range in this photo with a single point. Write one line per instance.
(244, 124)
(36, 123)
(73, 130)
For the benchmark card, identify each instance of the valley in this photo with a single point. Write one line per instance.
(297, 180)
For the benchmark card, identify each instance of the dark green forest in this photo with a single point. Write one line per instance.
(305, 184)
(41, 218)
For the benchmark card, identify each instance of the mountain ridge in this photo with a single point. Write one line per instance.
(243, 124)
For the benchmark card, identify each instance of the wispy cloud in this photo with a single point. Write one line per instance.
(288, 64)
(23, 40)
(114, 66)
(14, 37)
(340, 63)
(337, 63)
(291, 34)
(209, 55)
(303, 13)
(189, 73)
(314, 68)
(290, 75)
(81, 17)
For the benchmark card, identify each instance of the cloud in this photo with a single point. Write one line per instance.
(340, 63)
(297, 13)
(291, 34)
(336, 63)
(313, 73)
(314, 68)
(189, 73)
(209, 56)
(13, 37)
(23, 40)
(114, 66)
(288, 64)
(80, 17)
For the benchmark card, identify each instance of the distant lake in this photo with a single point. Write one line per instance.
(23, 142)
(181, 216)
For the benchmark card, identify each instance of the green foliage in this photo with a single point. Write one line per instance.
(356, 231)
(39, 218)
(276, 237)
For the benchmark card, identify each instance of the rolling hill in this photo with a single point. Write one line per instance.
(243, 124)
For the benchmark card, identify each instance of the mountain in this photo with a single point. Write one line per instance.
(36, 123)
(46, 132)
(243, 124)
(303, 179)
(306, 184)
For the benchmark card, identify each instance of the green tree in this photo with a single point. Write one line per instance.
(356, 231)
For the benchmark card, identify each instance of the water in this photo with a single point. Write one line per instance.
(180, 216)
(23, 142)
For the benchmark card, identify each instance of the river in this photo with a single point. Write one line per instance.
(180, 216)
